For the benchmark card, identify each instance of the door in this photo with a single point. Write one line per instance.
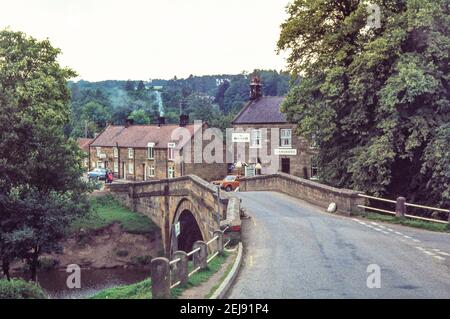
(286, 165)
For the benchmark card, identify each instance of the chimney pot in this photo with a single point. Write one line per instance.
(184, 120)
(255, 88)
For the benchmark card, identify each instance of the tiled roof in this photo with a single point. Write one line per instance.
(139, 135)
(263, 110)
(83, 143)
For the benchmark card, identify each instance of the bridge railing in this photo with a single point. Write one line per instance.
(400, 208)
(168, 274)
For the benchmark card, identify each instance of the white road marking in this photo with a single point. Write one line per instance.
(373, 223)
(420, 248)
(443, 253)
(409, 237)
(428, 253)
(390, 229)
(399, 233)
(437, 250)
(416, 240)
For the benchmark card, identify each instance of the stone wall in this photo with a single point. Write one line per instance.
(163, 200)
(310, 191)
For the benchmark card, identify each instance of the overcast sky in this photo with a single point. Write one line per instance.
(143, 39)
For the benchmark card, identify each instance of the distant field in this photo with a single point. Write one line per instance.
(106, 210)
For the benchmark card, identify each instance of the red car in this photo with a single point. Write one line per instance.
(229, 183)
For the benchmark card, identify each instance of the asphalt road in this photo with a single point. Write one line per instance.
(296, 250)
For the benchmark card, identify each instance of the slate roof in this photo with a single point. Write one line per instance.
(138, 136)
(263, 110)
(83, 143)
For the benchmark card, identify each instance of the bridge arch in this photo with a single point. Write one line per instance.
(190, 227)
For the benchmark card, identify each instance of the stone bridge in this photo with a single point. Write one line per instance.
(189, 200)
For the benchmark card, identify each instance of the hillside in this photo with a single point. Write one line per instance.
(212, 98)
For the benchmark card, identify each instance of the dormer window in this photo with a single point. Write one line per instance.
(130, 153)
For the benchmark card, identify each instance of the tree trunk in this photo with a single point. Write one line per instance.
(33, 263)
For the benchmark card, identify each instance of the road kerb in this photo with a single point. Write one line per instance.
(228, 281)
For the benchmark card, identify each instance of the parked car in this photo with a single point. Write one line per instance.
(229, 183)
(97, 173)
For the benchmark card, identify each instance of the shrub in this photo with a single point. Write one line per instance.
(20, 289)
(141, 260)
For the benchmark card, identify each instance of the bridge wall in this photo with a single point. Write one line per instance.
(312, 192)
(161, 200)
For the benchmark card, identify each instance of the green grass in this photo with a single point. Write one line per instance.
(216, 286)
(105, 211)
(406, 222)
(143, 290)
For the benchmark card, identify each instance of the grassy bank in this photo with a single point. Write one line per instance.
(143, 290)
(105, 210)
(406, 222)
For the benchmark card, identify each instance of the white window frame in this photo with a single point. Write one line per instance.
(151, 151)
(256, 138)
(171, 151)
(100, 164)
(151, 171)
(98, 150)
(170, 172)
(286, 137)
(115, 152)
(130, 168)
(116, 167)
(130, 152)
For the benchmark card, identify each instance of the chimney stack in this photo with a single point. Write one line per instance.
(184, 120)
(161, 120)
(255, 88)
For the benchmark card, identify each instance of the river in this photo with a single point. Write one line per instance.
(92, 281)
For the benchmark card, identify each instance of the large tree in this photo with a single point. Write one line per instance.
(376, 98)
(41, 189)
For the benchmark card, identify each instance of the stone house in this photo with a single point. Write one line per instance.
(261, 125)
(147, 152)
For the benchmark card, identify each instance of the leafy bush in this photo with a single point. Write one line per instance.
(20, 289)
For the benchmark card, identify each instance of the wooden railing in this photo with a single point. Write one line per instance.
(167, 274)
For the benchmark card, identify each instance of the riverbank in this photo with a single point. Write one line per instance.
(200, 285)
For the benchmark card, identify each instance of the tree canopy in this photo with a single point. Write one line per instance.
(375, 99)
(41, 189)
